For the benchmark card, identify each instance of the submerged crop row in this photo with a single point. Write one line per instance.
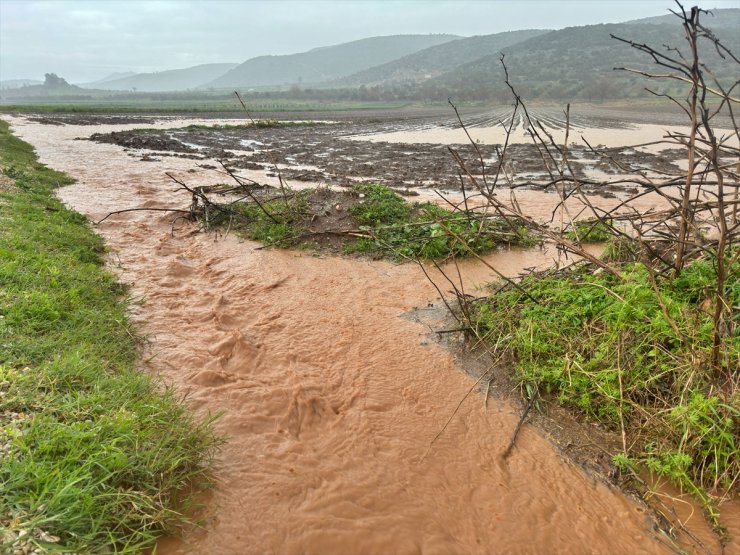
(94, 455)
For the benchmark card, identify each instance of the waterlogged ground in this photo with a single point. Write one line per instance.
(331, 394)
(410, 155)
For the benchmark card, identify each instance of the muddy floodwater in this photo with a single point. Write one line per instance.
(330, 393)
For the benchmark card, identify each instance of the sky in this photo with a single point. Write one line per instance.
(85, 40)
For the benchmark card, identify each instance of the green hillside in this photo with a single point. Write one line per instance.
(171, 80)
(579, 62)
(108, 78)
(436, 60)
(323, 64)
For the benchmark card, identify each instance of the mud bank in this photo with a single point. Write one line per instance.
(329, 398)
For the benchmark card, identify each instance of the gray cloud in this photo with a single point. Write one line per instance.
(85, 40)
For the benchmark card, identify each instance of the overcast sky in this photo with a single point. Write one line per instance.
(84, 40)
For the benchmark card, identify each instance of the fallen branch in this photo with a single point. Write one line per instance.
(519, 424)
(141, 210)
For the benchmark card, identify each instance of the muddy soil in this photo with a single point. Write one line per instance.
(331, 399)
(320, 152)
(91, 119)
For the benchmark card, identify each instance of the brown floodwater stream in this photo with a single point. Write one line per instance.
(329, 398)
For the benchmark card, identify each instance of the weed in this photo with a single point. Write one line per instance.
(591, 231)
(277, 222)
(402, 230)
(379, 205)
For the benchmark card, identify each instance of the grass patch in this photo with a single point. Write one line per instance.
(631, 355)
(94, 456)
(371, 219)
(591, 231)
(424, 230)
(277, 222)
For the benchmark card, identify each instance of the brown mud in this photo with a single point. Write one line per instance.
(313, 153)
(330, 399)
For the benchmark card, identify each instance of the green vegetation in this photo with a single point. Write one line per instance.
(591, 231)
(323, 64)
(380, 206)
(402, 230)
(94, 456)
(279, 222)
(371, 219)
(439, 59)
(635, 355)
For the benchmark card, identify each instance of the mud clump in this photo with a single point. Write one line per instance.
(142, 140)
(90, 119)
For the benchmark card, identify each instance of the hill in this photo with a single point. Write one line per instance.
(18, 83)
(436, 60)
(326, 63)
(171, 80)
(579, 62)
(108, 78)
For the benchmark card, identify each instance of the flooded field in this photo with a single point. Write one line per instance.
(331, 385)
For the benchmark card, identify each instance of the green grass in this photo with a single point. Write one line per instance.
(591, 231)
(94, 455)
(283, 227)
(393, 228)
(427, 231)
(635, 355)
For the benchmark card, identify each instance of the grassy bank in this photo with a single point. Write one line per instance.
(94, 456)
(634, 354)
(368, 219)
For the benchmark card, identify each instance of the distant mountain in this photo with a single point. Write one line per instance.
(436, 60)
(580, 61)
(326, 63)
(108, 78)
(163, 81)
(17, 83)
